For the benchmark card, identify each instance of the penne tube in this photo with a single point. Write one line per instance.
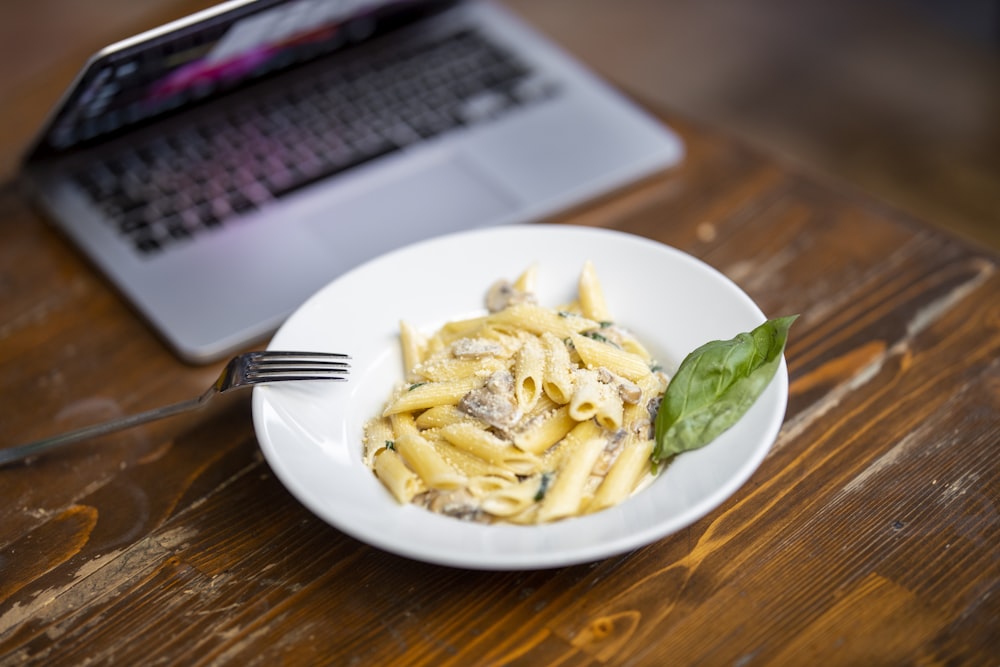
(424, 459)
(452, 331)
(421, 455)
(543, 431)
(594, 399)
(429, 394)
(597, 353)
(629, 467)
(483, 486)
(514, 498)
(393, 472)
(526, 517)
(538, 320)
(610, 411)
(588, 393)
(378, 435)
(510, 341)
(544, 406)
(558, 380)
(528, 280)
(412, 347)
(591, 295)
(565, 497)
(470, 465)
(630, 344)
(449, 369)
(651, 386)
(490, 448)
(529, 373)
(440, 415)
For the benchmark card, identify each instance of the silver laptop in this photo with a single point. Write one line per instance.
(223, 167)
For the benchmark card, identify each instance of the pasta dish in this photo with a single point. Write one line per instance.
(526, 414)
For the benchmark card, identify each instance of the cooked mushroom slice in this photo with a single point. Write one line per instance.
(475, 348)
(629, 391)
(503, 294)
(494, 402)
(457, 503)
(607, 457)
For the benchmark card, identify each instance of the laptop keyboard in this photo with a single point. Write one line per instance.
(174, 188)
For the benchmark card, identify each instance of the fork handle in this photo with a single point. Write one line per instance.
(11, 454)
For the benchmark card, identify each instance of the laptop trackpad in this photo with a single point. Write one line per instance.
(438, 198)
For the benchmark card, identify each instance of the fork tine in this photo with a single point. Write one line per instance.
(281, 374)
(276, 366)
(338, 376)
(279, 357)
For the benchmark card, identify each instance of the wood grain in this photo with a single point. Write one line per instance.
(869, 535)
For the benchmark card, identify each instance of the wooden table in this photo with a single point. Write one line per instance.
(869, 535)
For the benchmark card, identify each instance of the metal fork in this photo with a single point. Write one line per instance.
(245, 370)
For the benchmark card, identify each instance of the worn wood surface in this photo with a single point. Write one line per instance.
(869, 535)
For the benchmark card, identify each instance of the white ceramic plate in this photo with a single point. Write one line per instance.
(310, 433)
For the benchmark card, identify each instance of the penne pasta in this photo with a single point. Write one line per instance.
(524, 415)
(483, 486)
(566, 495)
(543, 431)
(456, 329)
(425, 395)
(610, 411)
(423, 459)
(594, 398)
(514, 498)
(558, 380)
(529, 373)
(480, 442)
(419, 452)
(588, 393)
(412, 347)
(591, 295)
(449, 369)
(631, 464)
(595, 354)
(538, 320)
(632, 345)
(472, 466)
(544, 406)
(378, 435)
(401, 481)
(527, 281)
(438, 416)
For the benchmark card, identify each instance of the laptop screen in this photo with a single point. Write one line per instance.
(129, 85)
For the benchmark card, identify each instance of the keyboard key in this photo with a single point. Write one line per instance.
(147, 244)
(483, 106)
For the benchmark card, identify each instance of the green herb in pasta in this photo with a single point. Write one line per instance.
(543, 486)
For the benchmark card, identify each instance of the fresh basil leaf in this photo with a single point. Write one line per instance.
(715, 385)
